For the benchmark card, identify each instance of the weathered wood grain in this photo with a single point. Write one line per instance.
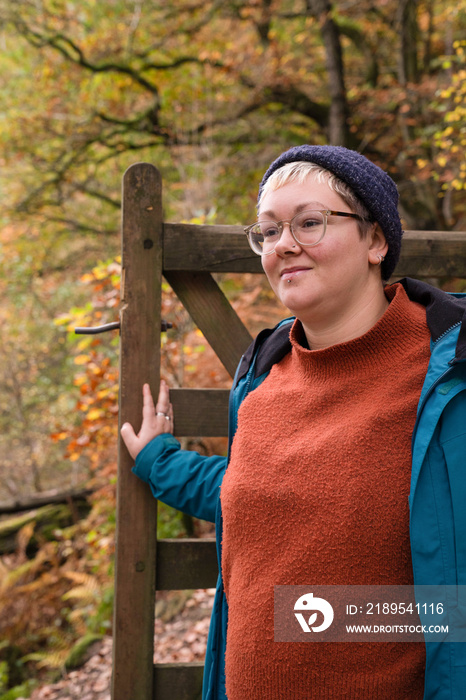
(178, 681)
(213, 314)
(225, 249)
(208, 248)
(139, 363)
(200, 412)
(432, 254)
(186, 563)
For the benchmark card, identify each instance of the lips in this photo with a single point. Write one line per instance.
(292, 272)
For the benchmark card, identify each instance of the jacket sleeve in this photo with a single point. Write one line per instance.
(180, 478)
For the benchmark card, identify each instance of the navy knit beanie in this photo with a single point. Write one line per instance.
(371, 185)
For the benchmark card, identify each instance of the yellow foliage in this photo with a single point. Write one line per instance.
(95, 414)
(81, 359)
(46, 579)
(24, 535)
(82, 578)
(80, 593)
(55, 659)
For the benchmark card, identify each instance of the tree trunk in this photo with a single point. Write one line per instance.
(427, 57)
(263, 23)
(338, 132)
(45, 521)
(409, 34)
(44, 498)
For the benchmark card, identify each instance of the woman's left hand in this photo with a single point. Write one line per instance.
(155, 420)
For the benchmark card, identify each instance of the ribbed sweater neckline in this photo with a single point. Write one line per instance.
(400, 324)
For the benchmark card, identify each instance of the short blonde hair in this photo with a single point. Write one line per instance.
(298, 171)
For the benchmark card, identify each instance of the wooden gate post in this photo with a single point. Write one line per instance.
(139, 362)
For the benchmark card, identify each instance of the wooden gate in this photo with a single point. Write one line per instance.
(186, 255)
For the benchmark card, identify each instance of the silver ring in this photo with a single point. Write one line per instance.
(159, 413)
(167, 417)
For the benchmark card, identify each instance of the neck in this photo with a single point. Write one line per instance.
(345, 324)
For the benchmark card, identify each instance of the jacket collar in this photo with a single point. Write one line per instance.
(443, 311)
(274, 344)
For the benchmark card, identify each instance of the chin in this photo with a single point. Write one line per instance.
(297, 299)
(300, 310)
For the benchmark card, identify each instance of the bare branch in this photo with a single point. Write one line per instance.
(98, 195)
(74, 225)
(72, 52)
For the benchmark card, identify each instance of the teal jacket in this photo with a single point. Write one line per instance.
(437, 501)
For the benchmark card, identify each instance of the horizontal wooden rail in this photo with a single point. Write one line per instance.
(187, 563)
(432, 254)
(225, 249)
(200, 412)
(183, 564)
(208, 248)
(178, 681)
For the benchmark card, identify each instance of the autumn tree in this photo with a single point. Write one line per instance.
(338, 113)
(210, 92)
(204, 85)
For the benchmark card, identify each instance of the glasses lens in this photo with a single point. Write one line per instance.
(308, 227)
(263, 236)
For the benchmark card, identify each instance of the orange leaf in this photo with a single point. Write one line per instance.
(94, 414)
(59, 436)
(81, 359)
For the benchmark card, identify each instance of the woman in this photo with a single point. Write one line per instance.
(323, 412)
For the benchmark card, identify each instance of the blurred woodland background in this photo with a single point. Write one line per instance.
(210, 92)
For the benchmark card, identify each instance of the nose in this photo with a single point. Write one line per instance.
(287, 245)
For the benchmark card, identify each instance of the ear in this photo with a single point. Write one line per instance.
(377, 245)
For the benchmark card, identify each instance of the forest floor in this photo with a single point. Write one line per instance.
(181, 628)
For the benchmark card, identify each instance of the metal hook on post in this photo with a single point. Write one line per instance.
(93, 330)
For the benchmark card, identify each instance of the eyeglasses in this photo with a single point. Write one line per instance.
(307, 228)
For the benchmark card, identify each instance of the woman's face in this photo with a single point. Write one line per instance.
(328, 280)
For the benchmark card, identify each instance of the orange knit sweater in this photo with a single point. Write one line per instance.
(317, 493)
